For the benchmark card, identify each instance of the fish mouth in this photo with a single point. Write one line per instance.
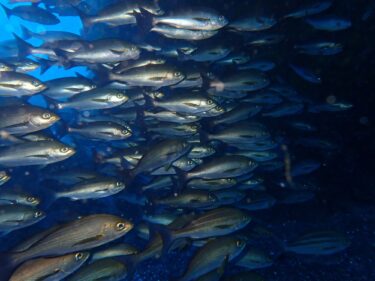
(4, 178)
(55, 118)
(128, 226)
(42, 87)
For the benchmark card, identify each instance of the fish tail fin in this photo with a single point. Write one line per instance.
(86, 20)
(63, 58)
(182, 179)
(7, 265)
(49, 198)
(145, 20)
(53, 104)
(26, 33)
(7, 11)
(149, 101)
(45, 64)
(204, 136)
(24, 48)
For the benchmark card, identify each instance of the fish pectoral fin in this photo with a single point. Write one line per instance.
(201, 19)
(105, 278)
(101, 191)
(49, 275)
(116, 52)
(99, 100)
(191, 104)
(75, 90)
(38, 156)
(89, 240)
(250, 83)
(10, 86)
(16, 125)
(106, 133)
(222, 226)
(156, 78)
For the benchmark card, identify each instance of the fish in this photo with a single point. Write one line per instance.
(13, 217)
(78, 235)
(255, 23)
(25, 119)
(188, 199)
(186, 103)
(121, 13)
(34, 153)
(105, 131)
(306, 74)
(161, 154)
(117, 250)
(241, 81)
(255, 258)
(97, 98)
(223, 167)
(320, 48)
(32, 13)
(329, 23)
(212, 255)
(100, 51)
(193, 20)
(212, 184)
(155, 76)
(15, 84)
(105, 269)
(8, 197)
(319, 243)
(310, 9)
(56, 268)
(67, 87)
(216, 222)
(91, 189)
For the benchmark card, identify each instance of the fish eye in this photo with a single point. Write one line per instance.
(35, 83)
(118, 184)
(64, 149)
(239, 243)
(177, 74)
(46, 115)
(119, 96)
(190, 162)
(120, 226)
(124, 132)
(209, 102)
(31, 199)
(38, 214)
(79, 256)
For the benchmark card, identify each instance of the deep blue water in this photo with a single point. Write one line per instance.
(342, 187)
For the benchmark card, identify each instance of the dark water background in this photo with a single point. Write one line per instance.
(346, 180)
